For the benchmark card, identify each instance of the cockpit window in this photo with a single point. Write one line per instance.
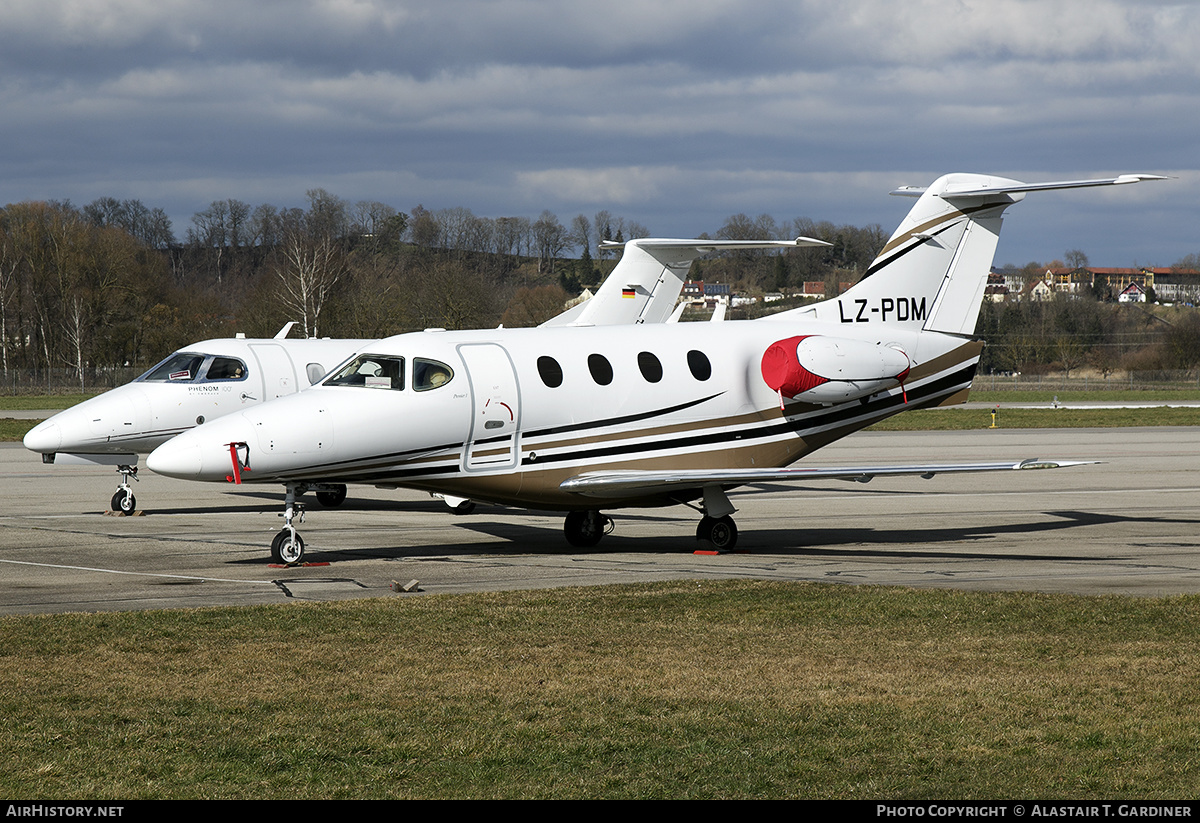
(430, 374)
(226, 368)
(372, 371)
(180, 367)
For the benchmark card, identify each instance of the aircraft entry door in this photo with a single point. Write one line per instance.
(495, 407)
(278, 374)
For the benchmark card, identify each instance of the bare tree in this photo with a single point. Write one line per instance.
(311, 257)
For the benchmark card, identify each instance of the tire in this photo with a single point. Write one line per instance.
(584, 529)
(332, 499)
(124, 501)
(721, 532)
(289, 549)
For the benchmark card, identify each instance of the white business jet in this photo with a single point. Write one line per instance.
(215, 377)
(583, 419)
(200, 382)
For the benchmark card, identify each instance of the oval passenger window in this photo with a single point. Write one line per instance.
(600, 368)
(698, 363)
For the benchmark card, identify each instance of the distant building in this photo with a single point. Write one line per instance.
(699, 293)
(1133, 293)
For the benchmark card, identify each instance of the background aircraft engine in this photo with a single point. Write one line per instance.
(819, 369)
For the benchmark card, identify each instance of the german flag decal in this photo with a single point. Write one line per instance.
(629, 292)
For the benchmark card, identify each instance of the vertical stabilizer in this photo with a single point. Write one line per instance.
(932, 273)
(645, 285)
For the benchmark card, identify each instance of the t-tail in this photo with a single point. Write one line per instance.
(932, 273)
(645, 285)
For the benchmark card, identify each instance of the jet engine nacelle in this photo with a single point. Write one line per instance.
(819, 369)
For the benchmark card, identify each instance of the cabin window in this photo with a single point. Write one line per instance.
(550, 372)
(600, 368)
(180, 367)
(650, 366)
(430, 374)
(698, 362)
(226, 368)
(372, 371)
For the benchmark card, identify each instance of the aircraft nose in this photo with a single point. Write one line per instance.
(45, 437)
(174, 460)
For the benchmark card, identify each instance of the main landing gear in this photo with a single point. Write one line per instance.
(585, 529)
(721, 532)
(124, 501)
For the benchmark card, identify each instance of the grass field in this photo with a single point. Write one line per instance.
(682, 690)
(736, 689)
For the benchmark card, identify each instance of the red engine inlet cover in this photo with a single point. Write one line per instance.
(782, 370)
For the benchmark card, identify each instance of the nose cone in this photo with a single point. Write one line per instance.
(201, 453)
(45, 437)
(103, 425)
(172, 459)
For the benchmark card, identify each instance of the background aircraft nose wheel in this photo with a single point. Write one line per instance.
(721, 532)
(333, 498)
(124, 501)
(287, 548)
(584, 529)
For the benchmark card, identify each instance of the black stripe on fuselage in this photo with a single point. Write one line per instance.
(873, 409)
(846, 412)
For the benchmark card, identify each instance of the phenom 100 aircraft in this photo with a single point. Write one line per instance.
(583, 418)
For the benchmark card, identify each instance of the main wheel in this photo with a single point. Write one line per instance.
(124, 501)
(333, 498)
(721, 532)
(584, 529)
(287, 548)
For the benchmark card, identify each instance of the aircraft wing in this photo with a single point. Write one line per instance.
(634, 483)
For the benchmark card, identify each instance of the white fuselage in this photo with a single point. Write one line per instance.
(202, 382)
(525, 409)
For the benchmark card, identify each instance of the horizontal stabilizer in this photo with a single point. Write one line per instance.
(634, 483)
(1021, 188)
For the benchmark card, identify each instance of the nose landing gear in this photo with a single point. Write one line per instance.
(288, 546)
(124, 501)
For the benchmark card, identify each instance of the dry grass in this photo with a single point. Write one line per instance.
(735, 689)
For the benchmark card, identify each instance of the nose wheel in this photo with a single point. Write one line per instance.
(124, 501)
(288, 545)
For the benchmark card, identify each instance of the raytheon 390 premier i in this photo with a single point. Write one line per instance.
(582, 419)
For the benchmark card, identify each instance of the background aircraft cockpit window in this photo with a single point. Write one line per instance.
(430, 374)
(226, 368)
(315, 372)
(372, 371)
(180, 367)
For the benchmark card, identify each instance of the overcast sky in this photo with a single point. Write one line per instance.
(672, 113)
